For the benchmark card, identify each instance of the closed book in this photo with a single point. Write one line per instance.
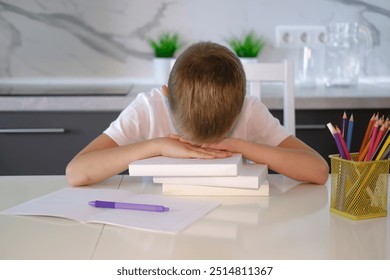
(167, 166)
(193, 190)
(250, 176)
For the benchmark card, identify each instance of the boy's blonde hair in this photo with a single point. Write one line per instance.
(206, 91)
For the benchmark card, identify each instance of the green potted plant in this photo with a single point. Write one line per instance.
(164, 49)
(247, 47)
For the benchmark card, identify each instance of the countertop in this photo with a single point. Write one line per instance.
(366, 95)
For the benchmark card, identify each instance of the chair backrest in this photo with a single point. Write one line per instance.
(282, 72)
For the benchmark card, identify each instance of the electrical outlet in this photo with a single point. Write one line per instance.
(295, 36)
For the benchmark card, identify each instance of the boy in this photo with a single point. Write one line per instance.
(203, 113)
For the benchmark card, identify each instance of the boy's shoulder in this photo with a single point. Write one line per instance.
(154, 93)
(148, 98)
(252, 102)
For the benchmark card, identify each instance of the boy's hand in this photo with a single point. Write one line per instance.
(227, 144)
(172, 147)
(183, 140)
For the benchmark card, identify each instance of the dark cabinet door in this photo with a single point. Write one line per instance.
(42, 143)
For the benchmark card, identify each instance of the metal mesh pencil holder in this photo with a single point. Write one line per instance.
(359, 188)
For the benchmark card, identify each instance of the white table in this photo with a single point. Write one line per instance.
(293, 223)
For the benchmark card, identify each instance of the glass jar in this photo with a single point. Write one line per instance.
(346, 44)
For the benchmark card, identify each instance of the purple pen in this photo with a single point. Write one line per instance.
(129, 206)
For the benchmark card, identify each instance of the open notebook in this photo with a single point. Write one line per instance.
(72, 203)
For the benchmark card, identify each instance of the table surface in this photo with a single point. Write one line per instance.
(294, 222)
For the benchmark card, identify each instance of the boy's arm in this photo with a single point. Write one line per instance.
(291, 157)
(103, 158)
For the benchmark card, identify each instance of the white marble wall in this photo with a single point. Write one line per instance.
(104, 41)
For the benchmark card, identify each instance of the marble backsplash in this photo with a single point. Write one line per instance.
(102, 44)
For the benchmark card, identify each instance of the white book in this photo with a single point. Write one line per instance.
(193, 190)
(166, 166)
(250, 176)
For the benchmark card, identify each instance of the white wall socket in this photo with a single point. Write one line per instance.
(296, 36)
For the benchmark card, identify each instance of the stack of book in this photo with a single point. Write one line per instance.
(212, 177)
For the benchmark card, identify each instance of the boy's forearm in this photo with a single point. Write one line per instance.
(100, 162)
(301, 164)
(98, 165)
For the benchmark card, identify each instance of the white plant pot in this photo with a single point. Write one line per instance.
(248, 60)
(162, 68)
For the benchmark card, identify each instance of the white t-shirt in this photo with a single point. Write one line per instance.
(149, 116)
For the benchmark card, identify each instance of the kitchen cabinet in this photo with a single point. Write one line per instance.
(38, 143)
(311, 127)
(42, 142)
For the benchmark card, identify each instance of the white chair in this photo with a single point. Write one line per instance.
(282, 72)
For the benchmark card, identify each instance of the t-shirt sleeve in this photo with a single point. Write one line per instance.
(126, 129)
(263, 127)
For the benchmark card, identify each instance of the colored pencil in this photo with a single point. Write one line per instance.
(363, 154)
(344, 123)
(381, 154)
(381, 144)
(337, 140)
(378, 139)
(366, 137)
(374, 133)
(343, 145)
(349, 133)
(386, 154)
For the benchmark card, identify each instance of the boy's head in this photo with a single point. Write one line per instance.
(206, 91)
